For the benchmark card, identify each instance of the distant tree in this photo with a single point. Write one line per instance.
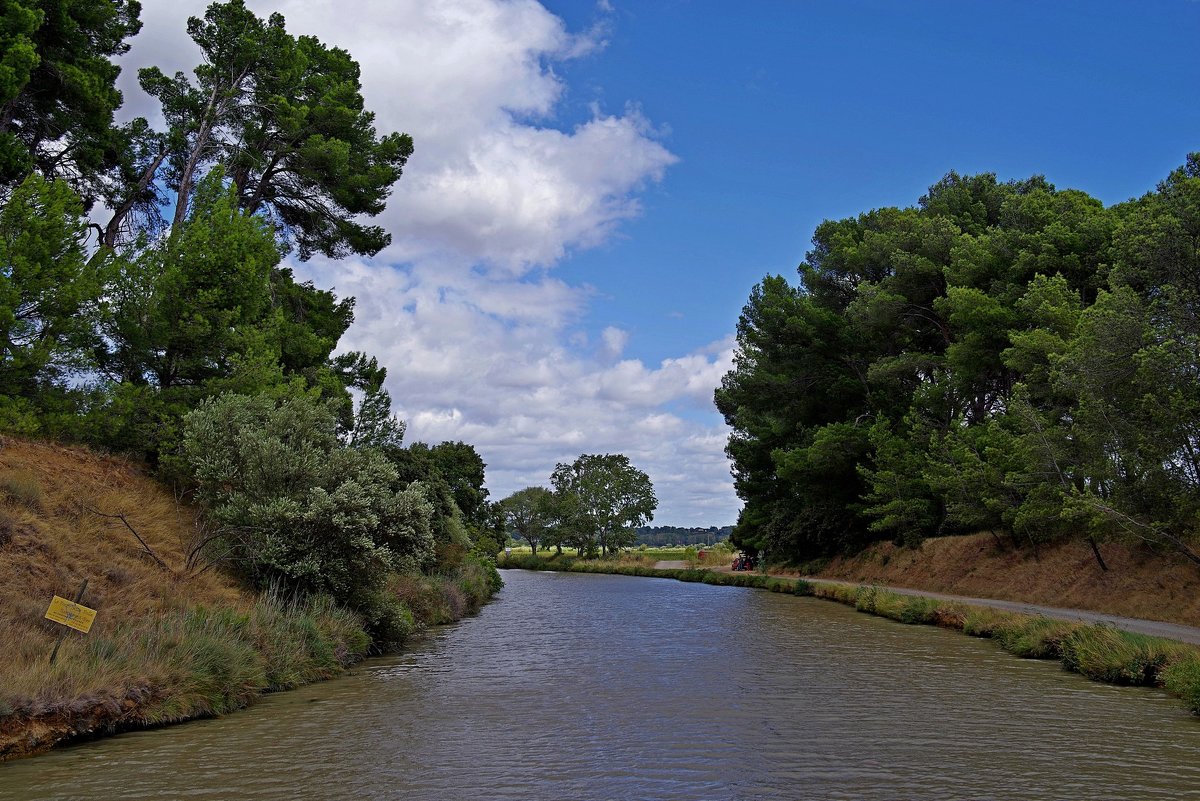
(677, 535)
(610, 498)
(529, 513)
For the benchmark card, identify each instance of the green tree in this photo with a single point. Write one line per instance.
(463, 469)
(48, 294)
(58, 88)
(900, 357)
(610, 498)
(528, 514)
(416, 463)
(285, 119)
(184, 307)
(795, 370)
(375, 426)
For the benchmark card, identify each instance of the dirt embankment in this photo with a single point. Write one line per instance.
(1138, 583)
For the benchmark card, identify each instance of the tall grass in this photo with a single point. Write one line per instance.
(188, 663)
(21, 486)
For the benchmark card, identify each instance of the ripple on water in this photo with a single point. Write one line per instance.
(608, 687)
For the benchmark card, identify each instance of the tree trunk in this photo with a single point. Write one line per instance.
(1096, 552)
(114, 225)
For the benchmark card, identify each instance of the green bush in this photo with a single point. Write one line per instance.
(1119, 657)
(301, 510)
(1182, 678)
(865, 598)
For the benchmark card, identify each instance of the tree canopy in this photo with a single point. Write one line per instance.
(58, 89)
(285, 119)
(1002, 356)
(604, 499)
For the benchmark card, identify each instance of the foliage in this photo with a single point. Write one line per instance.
(296, 507)
(285, 119)
(58, 89)
(675, 535)
(601, 500)
(47, 291)
(1004, 356)
(528, 514)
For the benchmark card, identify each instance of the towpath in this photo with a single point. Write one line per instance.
(1156, 628)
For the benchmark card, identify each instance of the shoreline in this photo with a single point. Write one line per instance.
(1097, 650)
(26, 734)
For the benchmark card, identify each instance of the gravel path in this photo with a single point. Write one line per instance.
(1156, 628)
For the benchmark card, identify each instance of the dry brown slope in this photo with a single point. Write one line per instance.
(52, 537)
(1138, 583)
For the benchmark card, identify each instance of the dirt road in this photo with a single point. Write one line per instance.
(1154, 628)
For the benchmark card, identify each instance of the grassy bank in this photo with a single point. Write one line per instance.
(632, 567)
(174, 638)
(1101, 653)
(1139, 581)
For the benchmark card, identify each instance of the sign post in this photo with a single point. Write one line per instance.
(71, 614)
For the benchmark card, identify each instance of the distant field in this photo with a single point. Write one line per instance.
(720, 554)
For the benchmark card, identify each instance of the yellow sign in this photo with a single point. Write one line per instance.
(71, 614)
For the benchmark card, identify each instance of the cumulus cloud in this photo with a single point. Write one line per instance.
(482, 342)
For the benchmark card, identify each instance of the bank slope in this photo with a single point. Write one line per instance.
(173, 638)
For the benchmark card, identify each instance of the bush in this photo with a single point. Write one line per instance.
(1118, 657)
(300, 509)
(1182, 678)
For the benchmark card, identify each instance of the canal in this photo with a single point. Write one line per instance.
(576, 686)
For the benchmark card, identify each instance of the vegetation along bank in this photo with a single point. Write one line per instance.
(264, 524)
(1099, 652)
(176, 636)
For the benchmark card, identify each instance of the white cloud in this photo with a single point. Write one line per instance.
(482, 342)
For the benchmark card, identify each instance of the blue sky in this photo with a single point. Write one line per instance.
(787, 113)
(597, 186)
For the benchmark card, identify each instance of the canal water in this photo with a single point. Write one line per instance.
(573, 686)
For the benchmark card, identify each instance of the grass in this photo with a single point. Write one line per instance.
(720, 554)
(1099, 652)
(172, 640)
(1140, 582)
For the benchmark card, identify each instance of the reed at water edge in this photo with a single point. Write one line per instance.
(1099, 652)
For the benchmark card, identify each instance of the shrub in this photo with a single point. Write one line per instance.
(865, 598)
(1182, 678)
(299, 508)
(1118, 657)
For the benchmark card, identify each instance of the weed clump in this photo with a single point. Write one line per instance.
(1119, 657)
(1182, 678)
(21, 487)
